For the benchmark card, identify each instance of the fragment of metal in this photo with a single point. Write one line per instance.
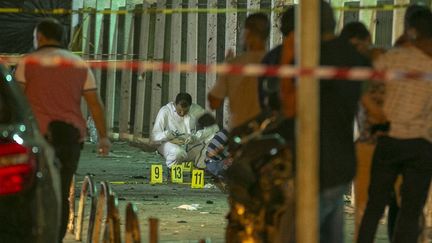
(71, 223)
(88, 189)
(154, 228)
(112, 228)
(133, 233)
(107, 220)
(426, 220)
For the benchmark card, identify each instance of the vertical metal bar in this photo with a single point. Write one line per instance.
(221, 48)
(398, 20)
(140, 115)
(132, 232)
(71, 224)
(212, 40)
(192, 49)
(154, 227)
(126, 94)
(176, 46)
(202, 54)
(158, 55)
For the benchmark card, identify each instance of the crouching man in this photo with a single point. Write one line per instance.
(178, 134)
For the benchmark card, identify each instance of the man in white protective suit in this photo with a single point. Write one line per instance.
(177, 131)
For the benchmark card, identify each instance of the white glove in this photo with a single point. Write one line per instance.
(172, 134)
(190, 139)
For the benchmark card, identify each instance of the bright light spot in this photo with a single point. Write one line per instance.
(237, 139)
(273, 151)
(18, 139)
(22, 128)
(35, 150)
(9, 78)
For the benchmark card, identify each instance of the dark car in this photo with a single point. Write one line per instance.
(29, 178)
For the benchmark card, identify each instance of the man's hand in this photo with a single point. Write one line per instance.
(173, 134)
(104, 146)
(190, 139)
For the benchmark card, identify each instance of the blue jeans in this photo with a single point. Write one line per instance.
(331, 215)
(216, 168)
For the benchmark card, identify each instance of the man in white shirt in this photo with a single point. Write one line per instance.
(176, 130)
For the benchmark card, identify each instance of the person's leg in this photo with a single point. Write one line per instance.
(65, 140)
(361, 183)
(69, 158)
(197, 154)
(216, 168)
(172, 153)
(331, 214)
(383, 176)
(393, 211)
(415, 187)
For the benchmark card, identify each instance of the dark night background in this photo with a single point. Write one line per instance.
(16, 29)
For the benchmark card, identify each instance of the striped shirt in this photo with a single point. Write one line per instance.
(216, 150)
(408, 101)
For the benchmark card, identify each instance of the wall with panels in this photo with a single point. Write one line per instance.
(133, 98)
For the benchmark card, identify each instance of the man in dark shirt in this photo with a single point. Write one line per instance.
(338, 106)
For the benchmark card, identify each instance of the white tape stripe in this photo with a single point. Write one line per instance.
(358, 73)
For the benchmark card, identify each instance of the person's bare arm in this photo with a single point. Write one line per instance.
(96, 109)
(375, 111)
(20, 76)
(214, 102)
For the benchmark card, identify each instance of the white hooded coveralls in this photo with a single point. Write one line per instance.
(167, 121)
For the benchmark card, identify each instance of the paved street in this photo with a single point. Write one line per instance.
(131, 165)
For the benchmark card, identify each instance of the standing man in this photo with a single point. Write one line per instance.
(338, 107)
(176, 130)
(407, 149)
(54, 93)
(242, 90)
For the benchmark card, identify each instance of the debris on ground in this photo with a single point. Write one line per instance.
(209, 186)
(113, 155)
(191, 207)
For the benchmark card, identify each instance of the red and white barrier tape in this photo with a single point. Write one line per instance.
(254, 70)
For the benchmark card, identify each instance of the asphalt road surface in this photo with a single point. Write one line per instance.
(128, 171)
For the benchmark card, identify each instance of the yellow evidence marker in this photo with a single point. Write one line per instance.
(177, 173)
(156, 175)
(187, 166)
(197, 179)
